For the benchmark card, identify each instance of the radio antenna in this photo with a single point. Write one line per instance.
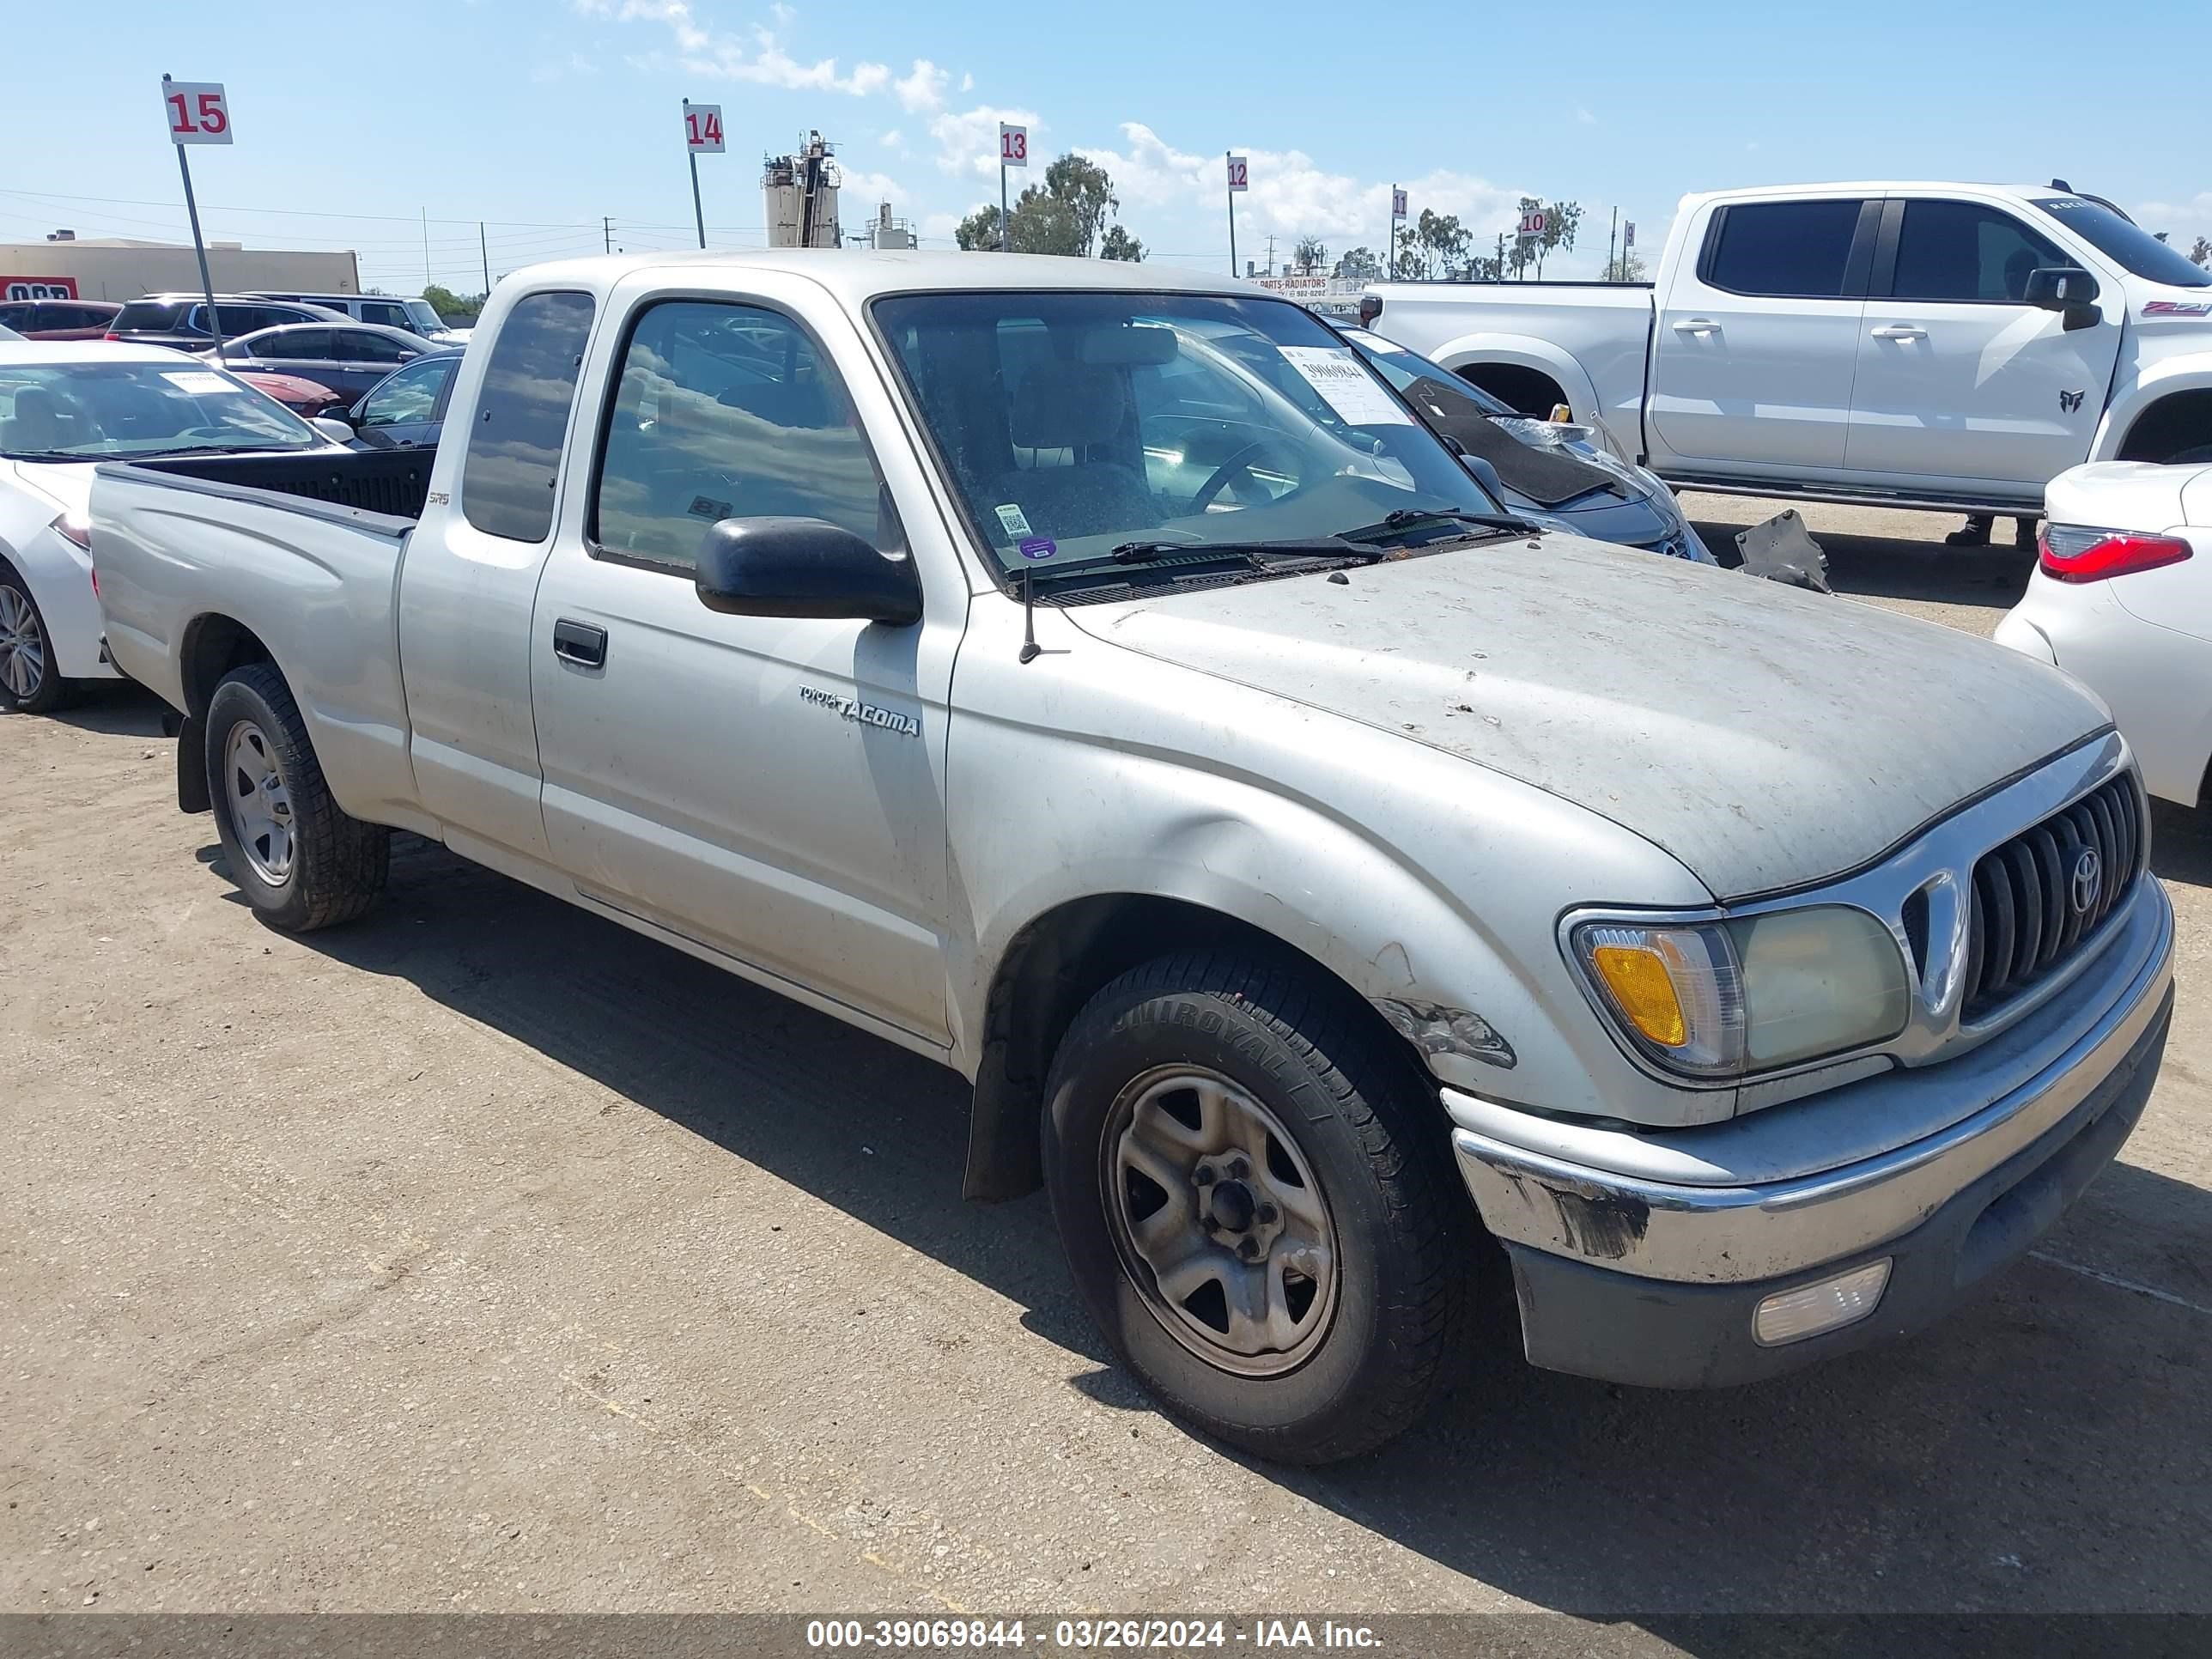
(1030, 649)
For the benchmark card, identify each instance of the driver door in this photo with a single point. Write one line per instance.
(767, 788)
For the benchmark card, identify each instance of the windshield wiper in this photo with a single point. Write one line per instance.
(1503, 524)
(1255, 554)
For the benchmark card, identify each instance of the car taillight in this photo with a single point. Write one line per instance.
(2076, 553)
(111, 335)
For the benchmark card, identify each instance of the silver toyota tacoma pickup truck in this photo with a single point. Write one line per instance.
(1320, 874)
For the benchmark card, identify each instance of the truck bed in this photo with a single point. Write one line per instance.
(392, 482)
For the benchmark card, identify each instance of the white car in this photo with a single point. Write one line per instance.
(2122, 599)
(65, 406)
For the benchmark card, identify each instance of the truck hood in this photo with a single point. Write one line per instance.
(1765, 737)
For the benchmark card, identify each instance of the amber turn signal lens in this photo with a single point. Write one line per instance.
(1642, 989)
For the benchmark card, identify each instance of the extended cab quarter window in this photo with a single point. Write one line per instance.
(522, 416)
(728, 411)
(1798, 250)
(1966, 251)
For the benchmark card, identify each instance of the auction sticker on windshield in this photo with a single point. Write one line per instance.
(1012, 520)
(198, 382)
(1358, 397)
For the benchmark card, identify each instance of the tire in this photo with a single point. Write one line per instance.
(1358, 1337)
(28, 684)
(300, 862)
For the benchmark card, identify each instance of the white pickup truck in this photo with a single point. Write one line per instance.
(1943, 345)
(1314, 869)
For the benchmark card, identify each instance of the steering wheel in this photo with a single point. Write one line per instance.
(1240, 462)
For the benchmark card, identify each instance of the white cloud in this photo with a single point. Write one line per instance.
(967, 140)
(939, 227)
(676, 14)
(782, 14)
(894, 141)
(2185, 221)
(861, 190)
(1290, 194)
(967, 83)
(923, 89)
(1585, 118)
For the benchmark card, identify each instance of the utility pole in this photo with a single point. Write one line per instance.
(1271, 253)
(426, 247)
(484, 248)
(1611, 230)
(606, 235)
(1501, 255)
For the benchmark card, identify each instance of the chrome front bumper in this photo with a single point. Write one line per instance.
(1769, 1196)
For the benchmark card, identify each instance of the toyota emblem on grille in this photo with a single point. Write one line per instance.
(2088, 877)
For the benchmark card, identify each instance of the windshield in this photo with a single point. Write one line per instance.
(2135, 248)
(1419, 378)
(1075, 424)
(424, 317)
(103, 411)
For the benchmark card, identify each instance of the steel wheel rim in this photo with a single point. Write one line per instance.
(22, 645)
(1221, 1225)
(260, 803)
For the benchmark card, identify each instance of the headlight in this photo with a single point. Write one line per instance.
(1728, 999)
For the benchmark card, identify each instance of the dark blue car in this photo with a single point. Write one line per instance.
(406, 410)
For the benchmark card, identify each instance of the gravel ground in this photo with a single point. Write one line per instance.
(485, 1256)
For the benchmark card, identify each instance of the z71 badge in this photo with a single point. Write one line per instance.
(2178, 308)
(863, 714)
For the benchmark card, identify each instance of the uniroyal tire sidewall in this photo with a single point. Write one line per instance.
(281, 902)
(1209, 1031)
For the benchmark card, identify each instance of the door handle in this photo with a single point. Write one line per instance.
(1901, 331)
(582, 643)
(1697, 326)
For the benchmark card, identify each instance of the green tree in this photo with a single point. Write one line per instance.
(1441, 241)
(1627, 266)
(2202, 253)
(1310, 255)
(1118, 244)
(447, 303)
(1561, 221)
(1520, 253)
(979, 230)
(1359, 266)
(1081, 185)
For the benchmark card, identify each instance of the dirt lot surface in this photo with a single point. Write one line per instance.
(483, 1255)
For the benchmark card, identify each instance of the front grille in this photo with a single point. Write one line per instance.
(2027, 919)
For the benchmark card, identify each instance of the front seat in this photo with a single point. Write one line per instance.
(1075, 407)
(36, 423)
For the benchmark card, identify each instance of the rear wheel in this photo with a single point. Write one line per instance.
(300, 862)
(1258, 1207)
(29, 682)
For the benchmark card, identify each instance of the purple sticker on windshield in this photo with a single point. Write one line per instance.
(1039, 548)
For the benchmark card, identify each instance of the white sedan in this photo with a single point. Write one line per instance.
(64, 406)
(2122, 599)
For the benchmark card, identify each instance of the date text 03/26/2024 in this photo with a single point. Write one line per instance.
(1081, 1635)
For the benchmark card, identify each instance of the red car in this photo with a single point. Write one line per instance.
(306, 398)
(59, 319)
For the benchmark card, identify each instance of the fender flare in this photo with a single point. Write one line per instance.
(1526, 351)
(2131, 398)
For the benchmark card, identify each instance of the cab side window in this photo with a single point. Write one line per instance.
(1964, 251)
(514, 457)
(728, 411)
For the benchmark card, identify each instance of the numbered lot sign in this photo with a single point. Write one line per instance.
(1239, 173)
(1013, 146)
(1397, 204)
(197, 111)
(702, 129)
(1532, 225)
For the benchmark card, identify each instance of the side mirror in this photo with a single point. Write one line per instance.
(2066, 290)
(803, 568)
(333, 427)
(409, 356)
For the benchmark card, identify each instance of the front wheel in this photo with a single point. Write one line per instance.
(1258, 1208)
(29, 682)
(300, 862)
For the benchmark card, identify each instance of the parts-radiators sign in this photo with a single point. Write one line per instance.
(37, 287)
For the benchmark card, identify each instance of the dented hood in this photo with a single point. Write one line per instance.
(1765, 737)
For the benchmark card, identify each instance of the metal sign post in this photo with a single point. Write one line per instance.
(702, 135)
(1397, 218)
(197, 115)
(1013, 152)
(1240, 179)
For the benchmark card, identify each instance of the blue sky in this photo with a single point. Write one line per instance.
(541, 116)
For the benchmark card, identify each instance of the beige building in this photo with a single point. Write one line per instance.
(115, 269)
